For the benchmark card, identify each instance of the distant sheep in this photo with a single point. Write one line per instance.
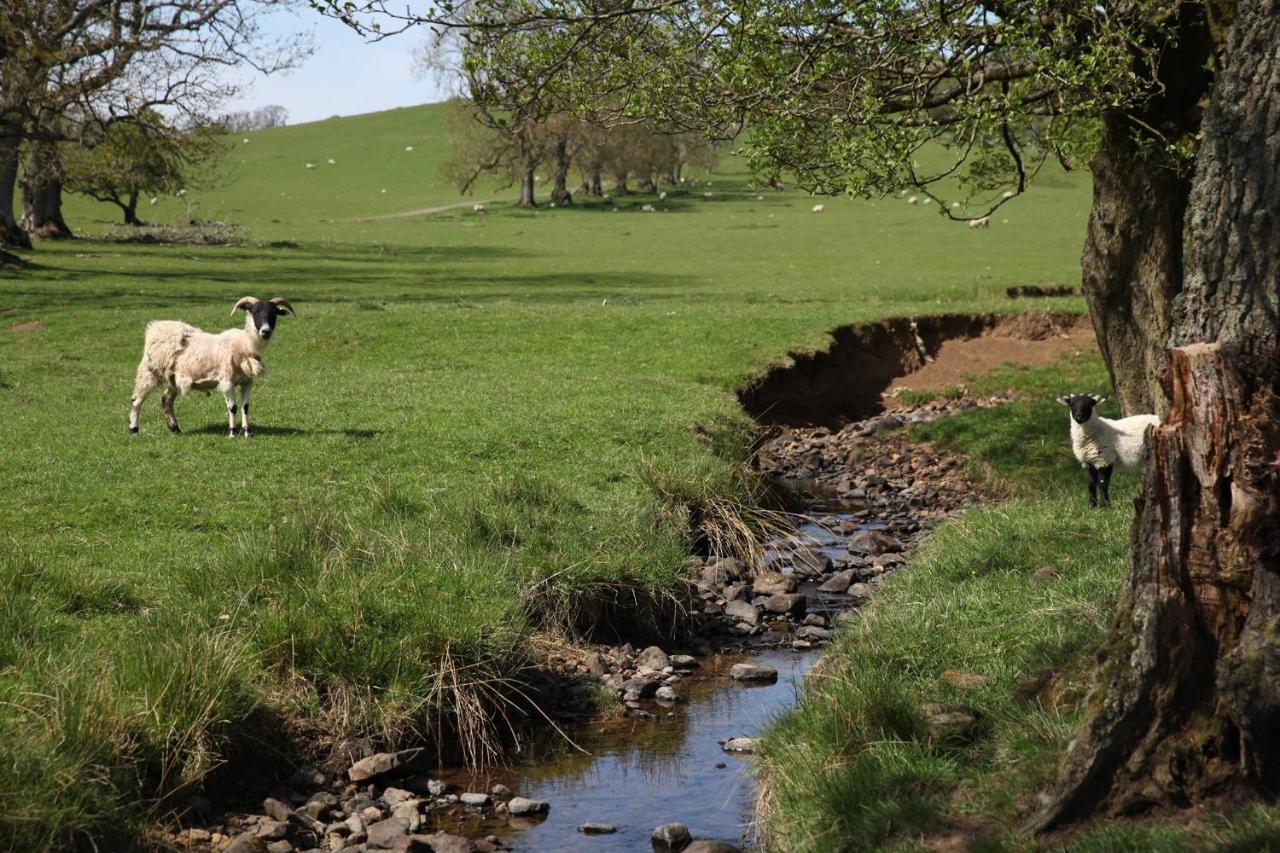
(707, 195)
(311, 165)
(1008, 194)
(648, 208)
(662, 196)
(475, 208)
(955, 205)
(408, 148)
(818, 208)
(1099, 443)
(983, 222)
(912, 200)
(332, 162)
(927, 201)
(183, 359)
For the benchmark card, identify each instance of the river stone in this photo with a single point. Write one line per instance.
(597, 828)
(595, 664)
(437, 787)
(811, 561)
(772, 583)
(441, 842)
(500, 790)
(816, 619)
(948, 723)
(640, 687)
(381, 764)
(666, 694)
(670, 838)
(654, 658)
(731, 566)
(839, 582)
(396, 796)
(714, 577)
(475, 798)
(873, 542)
(389, 834)
(742, 611)
(703, 846)
(276, 809)
(684, 662)
(792, 604)
(744, 745)
(272, 830)
(860, 592)
(813, 632)
(408, 812)
(280, 846)
(753, 672)
(246, 842)
(734, 592)
(520, 806)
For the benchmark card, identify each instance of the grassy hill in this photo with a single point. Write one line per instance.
(478, 427)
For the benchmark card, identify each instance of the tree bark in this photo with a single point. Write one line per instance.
(42, 194)
(11, 233)
(560, 192)
(526, 185)
(130, 209)
(1132, 262)
(1187, 701)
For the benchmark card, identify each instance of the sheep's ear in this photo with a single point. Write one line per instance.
(1064, 400)
(1098, 400)
(245, 303)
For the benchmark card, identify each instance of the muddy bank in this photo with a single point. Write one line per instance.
(850, 379)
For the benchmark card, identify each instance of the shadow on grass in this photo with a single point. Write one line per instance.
(221, 429)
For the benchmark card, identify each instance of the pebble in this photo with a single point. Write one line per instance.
(472, 798)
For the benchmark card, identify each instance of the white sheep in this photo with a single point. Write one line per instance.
(1099, 443)
(662, 196)
(912, 200)
(982, 222)
(311, 165)
(183, 359)
(818, 208)
(475, 208)
(1008, 194)
(332, 162)
(648, 208)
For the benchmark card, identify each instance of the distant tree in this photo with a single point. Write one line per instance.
(259, 119)
(127, 160)
(66, 65)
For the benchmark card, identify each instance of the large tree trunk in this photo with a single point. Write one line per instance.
(1187, 702)
(1132, 263)
(130, 208)
(42, 194)
(11, 233)
(526, 185)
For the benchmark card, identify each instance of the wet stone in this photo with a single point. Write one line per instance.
(272, 830)
(684, 662)
(873, 542)
(813, 632)
(742, 611)
(811, 561)
(520, 806)
(597, 828)
(703, 846)
(280, 846)
(670, 838)
(666, 694)
(839, 582)
(381, 764)
(501, 790)
(860, 592)
(753, 672)
(742, 745)
(246, 842)
(792, 604)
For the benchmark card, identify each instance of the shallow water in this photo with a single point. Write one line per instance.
(640, 774)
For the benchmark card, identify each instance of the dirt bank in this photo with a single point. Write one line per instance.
(856, 377)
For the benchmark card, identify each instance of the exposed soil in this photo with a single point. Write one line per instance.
(1035, 291)
(29, 326)
(852, 378)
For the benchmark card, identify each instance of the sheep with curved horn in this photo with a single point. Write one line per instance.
(183, 358)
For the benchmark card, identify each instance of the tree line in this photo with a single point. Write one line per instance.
(92, 91)
(629, 157)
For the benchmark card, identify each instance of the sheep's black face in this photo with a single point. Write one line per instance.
(264, 316)
(1081, 405)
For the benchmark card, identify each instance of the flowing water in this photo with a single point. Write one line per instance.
(637, 774)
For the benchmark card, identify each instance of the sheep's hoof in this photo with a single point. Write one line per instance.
(175, 429)
(133, 430)
(248, 434)
(231, 434)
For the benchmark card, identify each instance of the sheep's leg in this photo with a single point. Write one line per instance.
(1093, 485)
(143, 385)
(166, 403)
(244, 409)
(229, 394)
(1104, 483)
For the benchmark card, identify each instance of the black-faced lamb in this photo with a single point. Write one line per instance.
(1099, 443)
(182, 359)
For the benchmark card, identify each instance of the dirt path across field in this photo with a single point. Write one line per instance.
(418, 211)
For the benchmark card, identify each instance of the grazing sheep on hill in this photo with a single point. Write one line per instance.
(183, 358)
(818, 208)
(983, 222)
(311, 165)
(1099, 443)
(912, 200)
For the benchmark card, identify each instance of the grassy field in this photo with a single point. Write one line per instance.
(478, 427)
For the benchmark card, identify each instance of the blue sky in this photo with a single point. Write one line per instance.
(344, 76)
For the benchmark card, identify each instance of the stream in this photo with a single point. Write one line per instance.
(637, 774)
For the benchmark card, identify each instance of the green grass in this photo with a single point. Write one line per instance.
(478, 427)
(854, 767)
